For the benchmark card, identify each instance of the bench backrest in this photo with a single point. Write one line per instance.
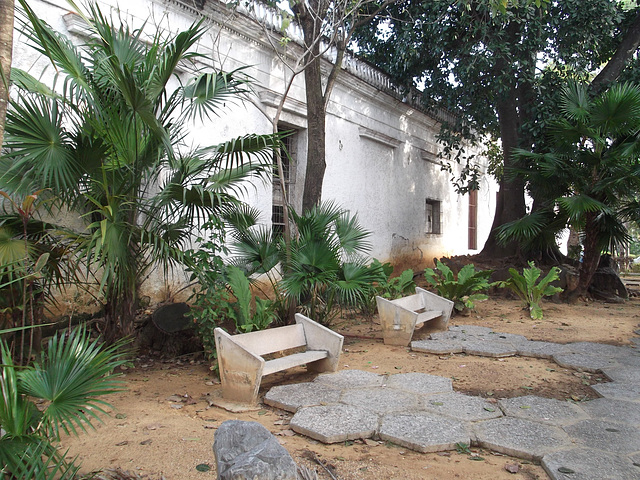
(272, 339)
(411, 302)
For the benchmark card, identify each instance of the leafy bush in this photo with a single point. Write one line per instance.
(321, 267)
(246, 321)
(69, 378)
(388, 287)
(464, 290)
(524, 285)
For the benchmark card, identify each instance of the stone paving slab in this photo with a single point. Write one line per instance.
(611, 437)
(520, 438)
(598, 349)
(584, 362)
(424, 432)
(421, 383)
(614, 411)
(544, 410)
(539, 349)
(380, 400)
(460, 407)
(597, 439)
(437, 347)
(334, 423)
(292, 397)
(350, 378)
(588, 464)
(620, 373)
(488, 348)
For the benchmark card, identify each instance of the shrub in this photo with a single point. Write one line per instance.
(61, 391)
(524, 285)
(464, 290)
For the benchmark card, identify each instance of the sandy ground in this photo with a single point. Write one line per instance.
(163, 426)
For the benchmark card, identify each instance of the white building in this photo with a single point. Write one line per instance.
(381, 151)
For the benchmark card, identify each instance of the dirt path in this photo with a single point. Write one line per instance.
(163, 426)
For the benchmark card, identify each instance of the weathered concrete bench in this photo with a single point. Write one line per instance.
(242, 366)
(401, 317)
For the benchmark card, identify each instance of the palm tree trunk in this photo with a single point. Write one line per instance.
(6, 46)
(591, 257)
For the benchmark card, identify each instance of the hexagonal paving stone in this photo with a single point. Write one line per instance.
(421, 383)
(588, 464)
(583, 362)
(620, 373)
(350, 378)
(543, 410)
(460, 407)
(520, 438)
(619, 391)
(380, 399)
(599, 349)
(611, 437)
(512, 338)
(334, 423)
(471, 330)
(613, 410)
(538, 349)
(437, 347)
(292, 397)
(424, 432)
(489, 348)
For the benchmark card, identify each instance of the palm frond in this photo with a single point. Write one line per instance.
(72, 374)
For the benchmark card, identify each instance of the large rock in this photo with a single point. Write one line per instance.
(247, 450)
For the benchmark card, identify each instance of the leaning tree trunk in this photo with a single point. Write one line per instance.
(6, 46)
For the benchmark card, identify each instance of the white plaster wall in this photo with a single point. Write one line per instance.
(375, 144)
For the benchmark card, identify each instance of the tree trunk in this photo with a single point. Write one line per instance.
(510, 203)
(120, 314)
(591, 256)
(6, 46)
(316, 114)
(628, 46)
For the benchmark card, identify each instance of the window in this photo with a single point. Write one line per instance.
(432, 216)
(277, 220)
(473, 220)
(288, 154)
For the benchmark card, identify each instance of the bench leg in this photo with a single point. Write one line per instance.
(319, 337)
(397, 323)
(240, 371)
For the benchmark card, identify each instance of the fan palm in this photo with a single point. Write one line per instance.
(70, 377)
(592, 172)
(324, 266)
(109, 143)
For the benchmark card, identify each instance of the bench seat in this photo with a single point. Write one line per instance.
(399, 318)
(241, 362)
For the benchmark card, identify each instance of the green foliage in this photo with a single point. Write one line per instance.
(209, 300)
(322, 267)
(531, 293)
(114, 131)
(464, 290)
(68, 380)
(589, 174)
(387, 286)
(245, 320)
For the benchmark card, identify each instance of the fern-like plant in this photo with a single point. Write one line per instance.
(524, 285)
(463, 291)
(245, 321)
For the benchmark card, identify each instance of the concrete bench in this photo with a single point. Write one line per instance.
(242, 366)
(401, 317)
